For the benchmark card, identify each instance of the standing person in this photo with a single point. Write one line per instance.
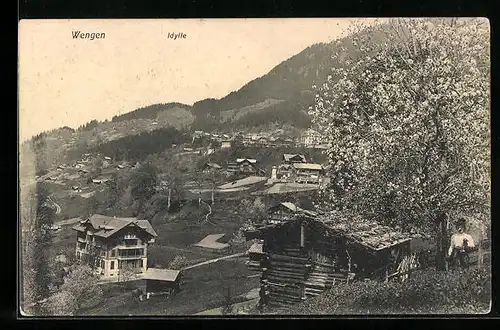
(461, 244)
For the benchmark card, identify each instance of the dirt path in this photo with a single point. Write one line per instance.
(58, 208)
(236, 255)
(237, 308)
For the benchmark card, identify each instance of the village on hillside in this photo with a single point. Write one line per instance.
(376, 203)
(282, 245)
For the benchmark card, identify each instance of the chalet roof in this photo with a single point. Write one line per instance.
(106, 226)
(307, 166)
(288, 157)
(158, 274)
(250, 160)
(310, 131)
(371, 235)
(213, 165)
(285, 167)
(210, 241)
(289, 206)
(284, 188)
(243, 182)
(294, 208)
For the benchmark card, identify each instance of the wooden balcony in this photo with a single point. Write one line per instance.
(129, 247)
(130, 257)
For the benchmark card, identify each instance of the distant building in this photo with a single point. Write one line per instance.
(225, 144)
(243, 166)
(293, 158)
(114, 243)
(263, 141)
(311, 138)
(211, 166)
(307, 172)
(285, 172)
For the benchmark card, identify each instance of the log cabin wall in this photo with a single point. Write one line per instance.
(286, 268)
(302, 262)
(329, 262)
(305, 259)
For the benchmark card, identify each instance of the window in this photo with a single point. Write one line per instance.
(112, 265)
(113, 253)
(102, 263)
(141, 263)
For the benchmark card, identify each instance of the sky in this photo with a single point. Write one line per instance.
(67, 82)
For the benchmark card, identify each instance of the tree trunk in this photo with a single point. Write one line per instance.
(441, 243)
(168, 201)
(480, 248)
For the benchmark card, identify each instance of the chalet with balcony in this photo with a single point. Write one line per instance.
(310, 138)
(307, 255)
(307, 173)
(113, 244)
(243, 166)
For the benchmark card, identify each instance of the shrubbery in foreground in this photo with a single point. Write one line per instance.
(426, 291)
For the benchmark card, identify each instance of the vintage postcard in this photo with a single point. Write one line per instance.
(205, 167)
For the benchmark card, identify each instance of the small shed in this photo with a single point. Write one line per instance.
(255, 255)
(162, 281)
(307, 255)
(210, 242)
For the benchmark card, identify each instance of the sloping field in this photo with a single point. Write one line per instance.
(234, 114)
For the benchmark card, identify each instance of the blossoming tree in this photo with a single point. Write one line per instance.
(407, 118)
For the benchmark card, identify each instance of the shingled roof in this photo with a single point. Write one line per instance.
(369, 234)
(289, 187)
(289, 157)
(292, 207)
(307, 166)
(106, 226)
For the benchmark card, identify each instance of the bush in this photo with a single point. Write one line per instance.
(425, 291)
(178, 262)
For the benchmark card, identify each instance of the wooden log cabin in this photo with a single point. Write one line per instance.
(285, 211)
(308, 255)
